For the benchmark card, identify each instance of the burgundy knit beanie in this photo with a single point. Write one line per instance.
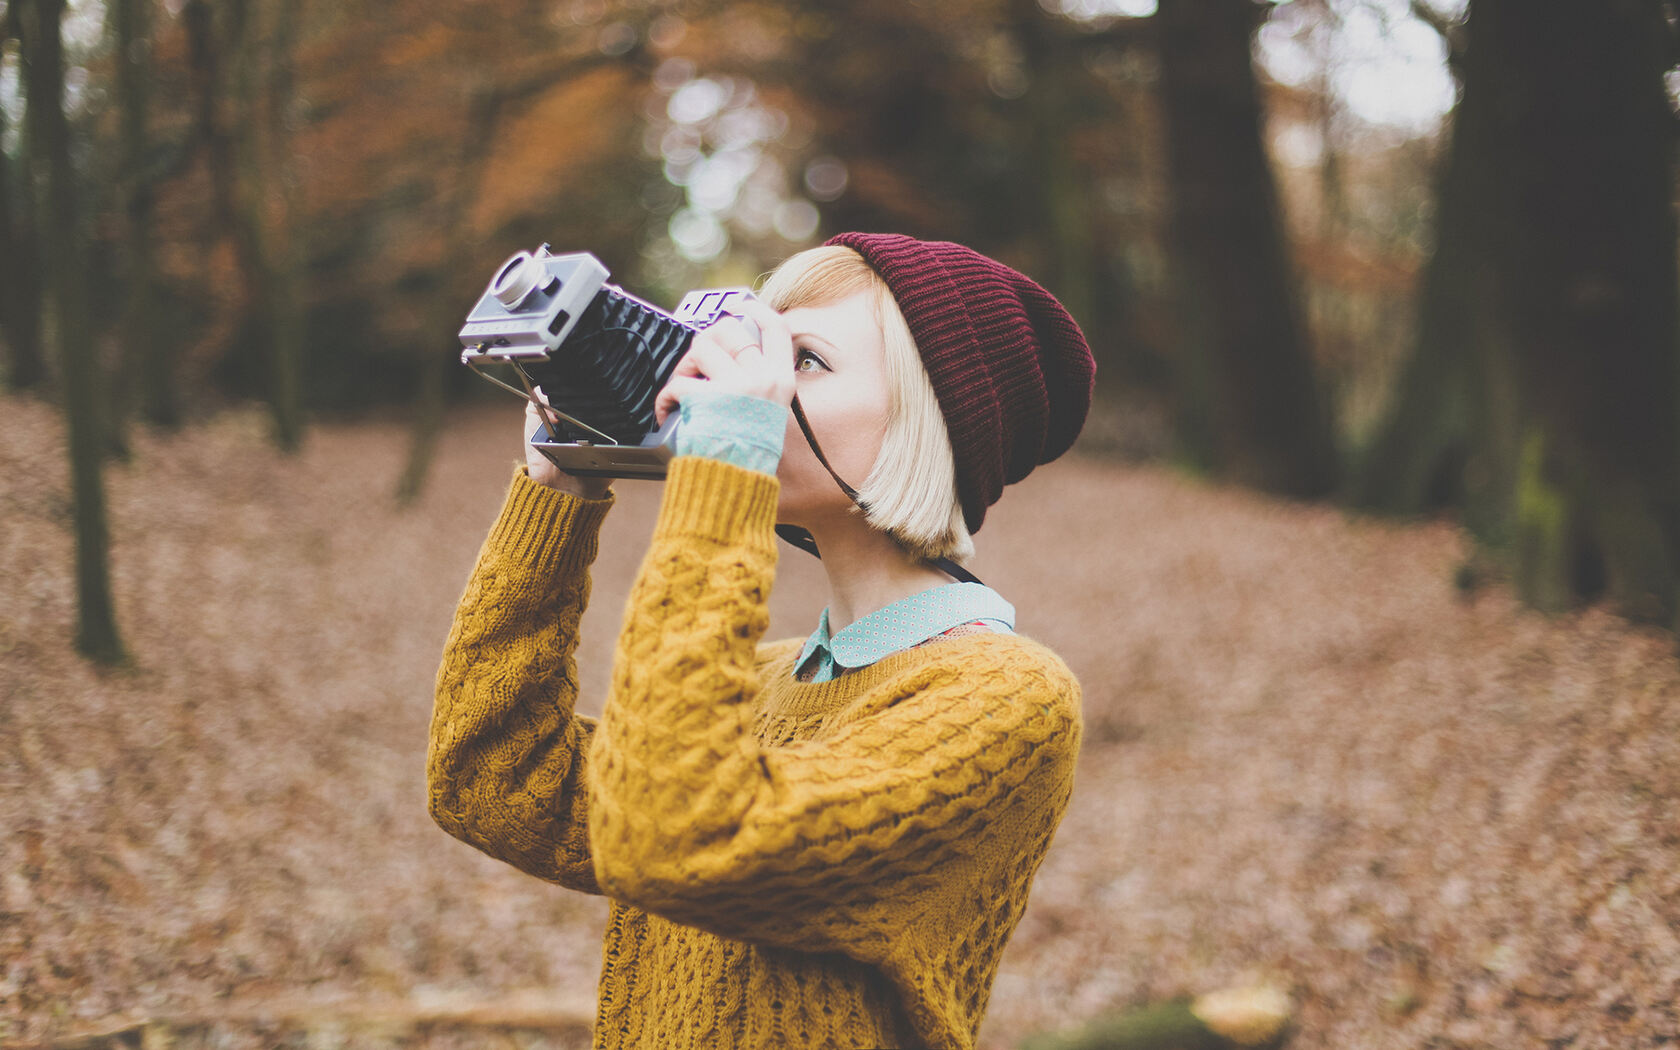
(1011, 369)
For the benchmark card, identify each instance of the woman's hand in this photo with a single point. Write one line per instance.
(545, 473)
(727, 356)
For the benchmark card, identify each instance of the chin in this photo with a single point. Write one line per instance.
(791, 510)
(798, 505)
(794, 495)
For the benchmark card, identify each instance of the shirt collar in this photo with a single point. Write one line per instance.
(908, 622)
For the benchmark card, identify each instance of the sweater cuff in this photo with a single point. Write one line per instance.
(545, 528)
(718, 501)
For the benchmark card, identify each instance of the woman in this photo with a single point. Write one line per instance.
(819, 842)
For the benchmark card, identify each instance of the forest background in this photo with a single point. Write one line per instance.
(267, 200)
(1412, 258)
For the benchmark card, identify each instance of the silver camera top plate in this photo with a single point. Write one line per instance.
(540, 321)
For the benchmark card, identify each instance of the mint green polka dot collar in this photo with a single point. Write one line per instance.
(907, 622)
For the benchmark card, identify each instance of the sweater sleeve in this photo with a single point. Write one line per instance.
(838, 844)
(506, 757)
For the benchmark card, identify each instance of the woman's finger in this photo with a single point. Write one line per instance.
(688, 364)
(702, 349)
(774, 337)
(733, 333)
(670, 398)
(536, 464)
(714, 361)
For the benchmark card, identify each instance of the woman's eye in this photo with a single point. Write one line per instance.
(805, 361)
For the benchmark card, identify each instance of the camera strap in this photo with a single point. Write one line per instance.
(802, 539)
(811, 439)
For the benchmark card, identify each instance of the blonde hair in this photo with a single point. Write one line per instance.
(911, 493)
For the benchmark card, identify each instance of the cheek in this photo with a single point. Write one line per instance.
(797, 460)
(855, 446)
(850, 431)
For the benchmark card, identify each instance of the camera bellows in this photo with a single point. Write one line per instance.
(618, 357)
(599, 355)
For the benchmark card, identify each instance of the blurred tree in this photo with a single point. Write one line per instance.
(241, 53)
(1250, 406)
(20, 272)
(252, 168)
(355, 168)
(426, 415)
(1002, 124)
(1545, 391)
(1050, 59)
(272, 186)
(69, 284)
(898, 95)
(459, 190)
(536, 142)
(1416, 463)
(145, 357)
(1356, 188)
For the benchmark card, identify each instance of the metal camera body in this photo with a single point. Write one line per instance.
(600, 355)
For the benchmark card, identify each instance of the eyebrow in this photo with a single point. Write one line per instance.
(815, 338)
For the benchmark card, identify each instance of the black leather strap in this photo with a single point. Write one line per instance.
(811, 439)
(953, 570)
(802, 539)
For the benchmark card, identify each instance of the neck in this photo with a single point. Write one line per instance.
(867, 570)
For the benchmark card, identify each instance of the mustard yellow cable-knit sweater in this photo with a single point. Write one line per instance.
(790, 864)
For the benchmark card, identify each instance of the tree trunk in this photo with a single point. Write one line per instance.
(1047, 50)
(20, 274)
(239, 179)
(486, 103)
(147, 357)
(1417, 461)
(1585, 235)
(68, 287)
(1548, 343)
(1253, 409)
(488, 99)
(483, 113)
(274, 161)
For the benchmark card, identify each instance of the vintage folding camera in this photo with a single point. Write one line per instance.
(598, 354)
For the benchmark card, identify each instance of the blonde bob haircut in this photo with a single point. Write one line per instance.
(911, 492)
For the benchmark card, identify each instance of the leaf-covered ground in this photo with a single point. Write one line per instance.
(1435, 819)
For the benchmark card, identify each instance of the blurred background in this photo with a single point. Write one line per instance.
(1367, 557)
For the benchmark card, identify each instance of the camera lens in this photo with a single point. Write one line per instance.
(518, 276)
